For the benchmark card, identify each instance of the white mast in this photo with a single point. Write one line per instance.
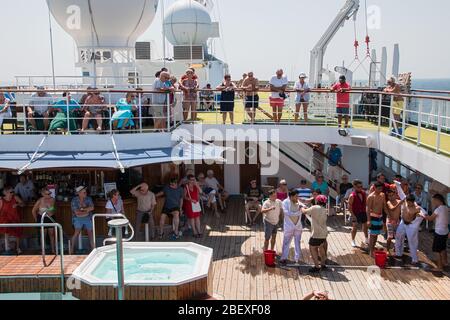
(349, 10)
(51, 48)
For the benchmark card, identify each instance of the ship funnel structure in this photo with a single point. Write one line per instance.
(396, 62)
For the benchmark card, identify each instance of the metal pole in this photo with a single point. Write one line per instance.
(405, 112)
(419, 128)
(51, 48)
(380, 106)
(168, 112)
(140, 112)
(147, 233)
(439, 128)
(164, 32)
(118, 225)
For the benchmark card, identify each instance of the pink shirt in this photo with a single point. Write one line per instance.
(342, 99)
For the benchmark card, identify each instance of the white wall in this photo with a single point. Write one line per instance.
(232, 178)
(356, 160)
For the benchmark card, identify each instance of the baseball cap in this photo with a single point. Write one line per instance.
(303, 75)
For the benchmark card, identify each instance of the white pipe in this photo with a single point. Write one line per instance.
(51, 47)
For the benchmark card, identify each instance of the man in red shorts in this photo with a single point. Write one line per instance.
(342, 99)
(278, 85)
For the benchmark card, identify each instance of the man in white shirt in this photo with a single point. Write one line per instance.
(292, 226)
(271, 211)
(25, 189)
(213, 183)
(39, 107)
(302, 98)
(441, 230)
(278, 84)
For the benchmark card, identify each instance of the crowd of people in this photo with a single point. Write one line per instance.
(93, 112)
(394, 210)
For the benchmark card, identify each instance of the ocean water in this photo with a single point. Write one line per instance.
(431, 84)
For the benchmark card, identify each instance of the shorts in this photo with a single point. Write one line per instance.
(251, 102)
(46, 220)
(299, 100)
(169, 212)
(440, 243)
(392, 228)
(158, 112)
(276, 102)
(360, 218)
(316, 242)
(82, 223)
(376, 226)
(270, 230)
(95, 110)
(253, 205)
(343, 111)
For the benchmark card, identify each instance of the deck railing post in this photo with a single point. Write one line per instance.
(110, 114)
(419, 123)
(140, 112)
(68, 115)
(168, 113)
(380, 107)
(405, 114)
(391, 116)
(439, 128)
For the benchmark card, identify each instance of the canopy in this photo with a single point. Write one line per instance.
(115, 159)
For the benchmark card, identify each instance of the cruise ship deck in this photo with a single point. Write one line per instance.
(240, 273)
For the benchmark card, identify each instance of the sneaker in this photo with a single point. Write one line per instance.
(174, 237)
(354, 244)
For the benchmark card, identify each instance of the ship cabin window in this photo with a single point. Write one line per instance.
(404, 171)
(387, 162)
(394, 166)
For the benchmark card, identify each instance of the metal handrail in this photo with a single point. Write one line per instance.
(110, 215)
(45, 214)
(41, 225)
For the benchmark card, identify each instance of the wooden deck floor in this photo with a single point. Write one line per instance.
(240, 273)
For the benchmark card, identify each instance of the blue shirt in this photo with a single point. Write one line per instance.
(173, 197)
(304, 194)
(335, 156)
(76, 205)
(322, 187)
(62, 104)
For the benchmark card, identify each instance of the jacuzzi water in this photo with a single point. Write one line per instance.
(148, 265)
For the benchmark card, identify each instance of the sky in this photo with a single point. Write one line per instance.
(258, 35)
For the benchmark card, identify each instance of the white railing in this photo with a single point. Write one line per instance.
(426, 118)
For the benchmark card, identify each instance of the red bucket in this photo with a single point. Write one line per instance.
(269, 258)
(381, 259)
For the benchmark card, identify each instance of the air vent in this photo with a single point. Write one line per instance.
(184, 52)
(143, 51)
(361, 141)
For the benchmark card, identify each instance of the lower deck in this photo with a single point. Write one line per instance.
(240, 273)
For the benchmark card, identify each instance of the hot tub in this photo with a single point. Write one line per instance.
(152, 271)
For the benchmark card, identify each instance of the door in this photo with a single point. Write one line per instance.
(251, 169)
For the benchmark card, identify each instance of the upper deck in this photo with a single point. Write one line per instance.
(372, 123)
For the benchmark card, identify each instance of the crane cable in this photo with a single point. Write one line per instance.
(367, 30)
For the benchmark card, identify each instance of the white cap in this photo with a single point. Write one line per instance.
(303, 75)
(79, 189)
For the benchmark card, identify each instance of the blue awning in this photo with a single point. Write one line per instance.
(182, 153)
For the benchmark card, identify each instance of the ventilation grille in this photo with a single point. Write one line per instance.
(184, 52)
(143, 51)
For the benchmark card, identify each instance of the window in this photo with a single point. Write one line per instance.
(394, 166)
(387, 162)
(404, 171)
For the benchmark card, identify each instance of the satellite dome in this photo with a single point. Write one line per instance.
(187, 22)
(104, 23)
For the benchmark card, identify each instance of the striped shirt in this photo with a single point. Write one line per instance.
(304, 194)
